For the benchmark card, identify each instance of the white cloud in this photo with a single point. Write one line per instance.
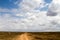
(30, 5)
(54, 14)
(56, 1)
(54, 8)
(33, 19)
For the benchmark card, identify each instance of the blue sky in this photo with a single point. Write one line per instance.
(10, 3)
(48, 1)
(29, 15)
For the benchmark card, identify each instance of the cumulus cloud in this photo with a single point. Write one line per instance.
(28, 18)
(54, 13)
(54, 8)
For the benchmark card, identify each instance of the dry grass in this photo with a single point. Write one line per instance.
(29, 36)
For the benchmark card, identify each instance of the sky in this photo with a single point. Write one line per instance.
(30, 15)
